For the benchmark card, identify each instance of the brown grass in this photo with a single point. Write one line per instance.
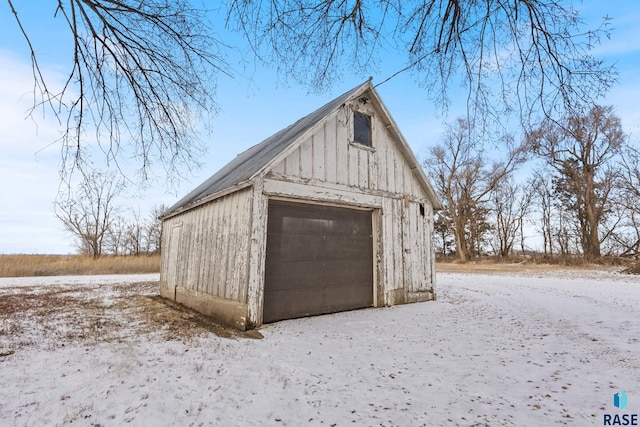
(63, 265)
(56, 316)
(498, 265)
(634, 269)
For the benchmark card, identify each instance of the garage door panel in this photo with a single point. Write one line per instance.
(351, 247)
(295, 247)
(309, 274)
(302, 247)
(319, 260)
(304, 302)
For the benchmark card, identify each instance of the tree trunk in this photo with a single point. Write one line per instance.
(590, 238)
(461, 244)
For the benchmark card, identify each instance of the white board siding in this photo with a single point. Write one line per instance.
(257, 254)
(388, 279)
(352, 164)
(327, 155)
(170, 256)
(306, 159)
(319, 154)
(331, 151)
(397, 212)
(407, 256)
(212, 248)
(303, 191)
(342, 150)
(417, 269)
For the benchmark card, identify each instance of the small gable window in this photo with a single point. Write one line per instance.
(362, 128)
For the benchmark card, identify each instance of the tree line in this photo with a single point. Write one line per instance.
(100, 225)
(575, 181)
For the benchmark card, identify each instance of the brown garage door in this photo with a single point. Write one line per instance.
(319, 260)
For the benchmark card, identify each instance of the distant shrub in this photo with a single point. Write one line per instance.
(634, 269)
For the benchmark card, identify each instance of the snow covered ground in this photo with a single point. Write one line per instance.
(525, 349)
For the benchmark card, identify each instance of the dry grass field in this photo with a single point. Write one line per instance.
(493, 267)
(71, 265)
(496, 266)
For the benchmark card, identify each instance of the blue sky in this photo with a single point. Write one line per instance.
(254, 104)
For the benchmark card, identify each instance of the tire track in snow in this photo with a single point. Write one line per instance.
(528, 302)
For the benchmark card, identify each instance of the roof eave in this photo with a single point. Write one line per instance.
(209, 198)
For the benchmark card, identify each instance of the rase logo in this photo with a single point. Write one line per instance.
(620, 401)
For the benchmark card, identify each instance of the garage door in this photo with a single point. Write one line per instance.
(319, 260)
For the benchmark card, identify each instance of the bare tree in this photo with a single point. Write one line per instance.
(543, 194)
(115, 238)
(443, 237)
(153, 229)
(88, 212)
(510, 204)
(629, 201)
(580, 150)
(464, 179)
(141, 73)
(134, 234)
(513, 55)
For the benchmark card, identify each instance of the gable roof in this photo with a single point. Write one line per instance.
(241, 171)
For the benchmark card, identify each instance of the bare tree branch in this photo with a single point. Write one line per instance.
(141, 79)
(532, 57)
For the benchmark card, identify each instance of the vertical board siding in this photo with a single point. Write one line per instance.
(196, 274)
(292, 166)
(234, 241)
(396, 241)
(306, 159)
(171, 236)
(390, 172)
(331, 150)
(417, 235)
(372, 165)
(353, 165)
(256, 253)
(381, 163)
(387, 245)
(280, 168)
(407, 255)
(187, 270)
(399, 169)
(364, 165)
(213, 247)
(421, 271)
(409, 251)
(319, 154)
(342, 151)
(222, 280)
